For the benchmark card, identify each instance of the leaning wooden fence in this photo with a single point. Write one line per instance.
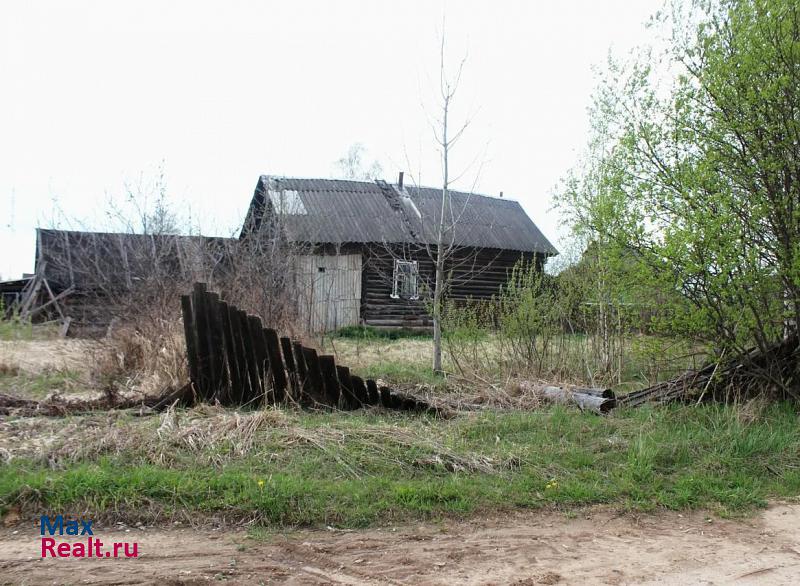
(235, 360)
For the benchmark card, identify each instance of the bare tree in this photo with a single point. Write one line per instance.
(446, 229)
(437, 231)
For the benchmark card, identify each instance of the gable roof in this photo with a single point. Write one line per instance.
(336, 211)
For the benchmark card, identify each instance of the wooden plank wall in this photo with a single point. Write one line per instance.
(235, 360)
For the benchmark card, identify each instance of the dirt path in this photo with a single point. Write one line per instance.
(521, 549)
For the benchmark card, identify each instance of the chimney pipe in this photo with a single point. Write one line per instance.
(400, 181)
(501, 194)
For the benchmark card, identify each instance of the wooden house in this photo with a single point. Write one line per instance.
(368, 248)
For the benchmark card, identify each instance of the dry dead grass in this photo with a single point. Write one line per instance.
(37, 356)
(214, 436)
(146, 362)
(364, 354)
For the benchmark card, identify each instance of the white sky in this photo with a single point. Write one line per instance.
(95, 93)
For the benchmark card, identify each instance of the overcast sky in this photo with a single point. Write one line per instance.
(94, 94)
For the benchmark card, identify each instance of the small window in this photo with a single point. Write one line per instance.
(320, 269)
(405, 280)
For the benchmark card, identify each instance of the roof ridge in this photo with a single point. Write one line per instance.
(375, 182)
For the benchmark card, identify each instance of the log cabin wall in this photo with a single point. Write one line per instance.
(474, 274)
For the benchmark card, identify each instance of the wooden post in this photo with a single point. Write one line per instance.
(276, 363)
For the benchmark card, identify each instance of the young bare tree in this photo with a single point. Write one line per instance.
(446, 229)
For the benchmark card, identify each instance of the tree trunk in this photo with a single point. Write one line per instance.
(437, 315)
(440, 252)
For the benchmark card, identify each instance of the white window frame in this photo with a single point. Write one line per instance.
(414, 281)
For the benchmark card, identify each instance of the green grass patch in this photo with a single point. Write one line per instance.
(359, 469)
(373, 333)
(15, 329)
(16, 382)
(401, 372)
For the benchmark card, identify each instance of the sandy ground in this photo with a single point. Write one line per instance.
(597, 547)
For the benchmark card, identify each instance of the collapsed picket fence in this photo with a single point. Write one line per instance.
(234, 360)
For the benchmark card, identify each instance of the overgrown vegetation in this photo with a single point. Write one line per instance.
(557, 328)
(281, 468)
(690, 188)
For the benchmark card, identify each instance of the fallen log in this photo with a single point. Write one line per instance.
(585, 401)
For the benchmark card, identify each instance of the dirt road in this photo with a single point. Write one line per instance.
(597, 547)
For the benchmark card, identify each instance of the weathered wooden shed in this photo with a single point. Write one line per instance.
(367, 246)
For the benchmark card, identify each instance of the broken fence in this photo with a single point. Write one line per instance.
(235, 360)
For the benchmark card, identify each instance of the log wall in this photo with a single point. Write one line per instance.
(475, 274)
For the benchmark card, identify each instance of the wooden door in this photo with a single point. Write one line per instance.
(329, 296)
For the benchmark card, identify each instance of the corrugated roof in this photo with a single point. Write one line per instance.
(343, 211)
(84, 259)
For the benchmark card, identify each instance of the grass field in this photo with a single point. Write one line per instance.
(286, 468)
(283, 468)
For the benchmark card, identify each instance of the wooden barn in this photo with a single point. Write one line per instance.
(368, 247)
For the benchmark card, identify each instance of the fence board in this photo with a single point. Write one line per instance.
(234, 372)
(291, 368)
(276, 363)
(302, 373)
(359, 390)
(348, 400)
(315, 387)
(261, 359)
(256, 390)
(245, 388)
(327, 364)
(201, 325)
(191, 336)
(373, 398)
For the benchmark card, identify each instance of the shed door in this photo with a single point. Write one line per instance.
(330, 295)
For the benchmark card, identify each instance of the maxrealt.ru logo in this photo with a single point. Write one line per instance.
(90, 547)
